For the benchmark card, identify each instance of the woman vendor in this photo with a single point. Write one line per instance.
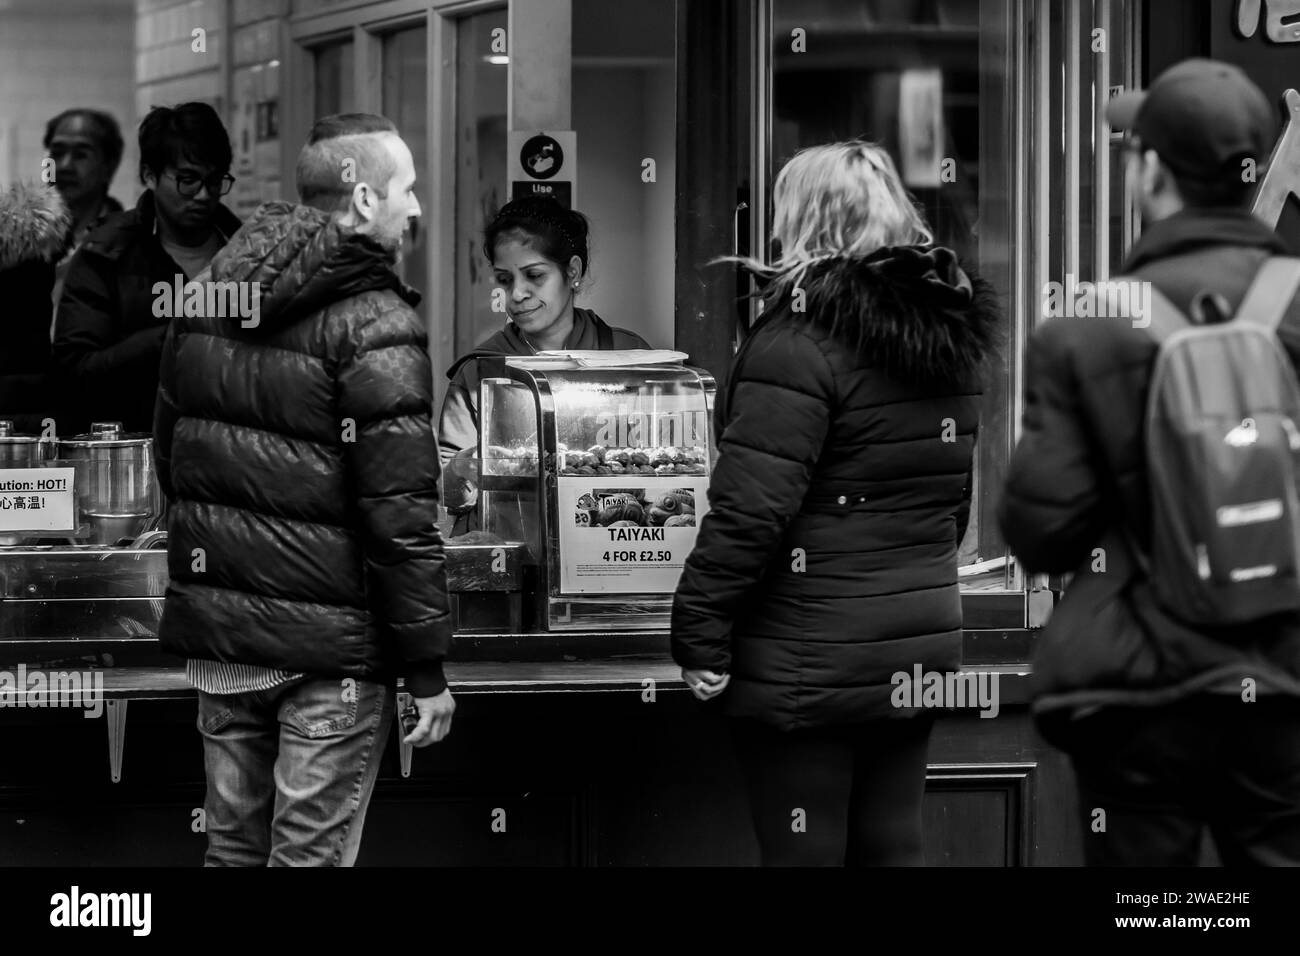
(538, 251)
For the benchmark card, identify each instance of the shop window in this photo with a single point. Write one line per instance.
(482, 85)
(624, 112)
(404, 100)
(931, 81)
(333, 69)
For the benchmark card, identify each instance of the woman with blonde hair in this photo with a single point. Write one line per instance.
(827, 564)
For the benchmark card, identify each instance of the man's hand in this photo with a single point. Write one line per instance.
(435, 719)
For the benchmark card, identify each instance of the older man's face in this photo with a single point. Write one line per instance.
(80, 172)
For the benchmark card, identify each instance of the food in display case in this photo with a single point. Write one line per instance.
(602, 460)
(519, 461)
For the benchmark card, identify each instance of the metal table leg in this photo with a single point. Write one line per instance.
(116, 714)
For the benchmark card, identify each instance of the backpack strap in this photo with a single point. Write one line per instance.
(1163, 317)
(1269, 297)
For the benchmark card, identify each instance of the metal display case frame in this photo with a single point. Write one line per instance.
(553, 609)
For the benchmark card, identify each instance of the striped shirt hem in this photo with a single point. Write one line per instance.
(223, 679)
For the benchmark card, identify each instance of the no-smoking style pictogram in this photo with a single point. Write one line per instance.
(542, 157)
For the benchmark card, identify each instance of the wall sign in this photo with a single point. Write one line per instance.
(543, 163)
(920, 127)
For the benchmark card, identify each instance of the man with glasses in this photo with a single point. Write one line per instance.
(109, 331)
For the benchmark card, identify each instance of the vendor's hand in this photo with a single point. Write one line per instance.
(460, 482)
(705, 684)
(435, 719)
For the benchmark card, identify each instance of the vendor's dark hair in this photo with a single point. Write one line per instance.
(556, 232)
(107, 135)
(190, 131)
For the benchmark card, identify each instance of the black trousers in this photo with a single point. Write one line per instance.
(1152, 780)
(836, 796)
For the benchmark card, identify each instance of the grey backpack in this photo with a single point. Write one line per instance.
(1223, 458)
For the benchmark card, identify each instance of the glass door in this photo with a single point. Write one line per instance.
(938, 83)
(404, 63)
(482, 89)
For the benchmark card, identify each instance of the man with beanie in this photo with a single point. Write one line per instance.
(1174, 727)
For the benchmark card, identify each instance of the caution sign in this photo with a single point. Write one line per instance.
(543, 163)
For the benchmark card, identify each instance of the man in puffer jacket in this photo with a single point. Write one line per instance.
(33, 235)
(296, 447)
(1172, 726)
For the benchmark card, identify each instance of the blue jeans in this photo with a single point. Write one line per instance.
(290, 770)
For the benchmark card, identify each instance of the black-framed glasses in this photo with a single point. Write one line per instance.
(188, 185)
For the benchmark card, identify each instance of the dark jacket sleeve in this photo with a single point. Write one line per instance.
(85, 350)
(166, 411)
(778, 416)
(1052, 510)
(386, 388)
(457, 425)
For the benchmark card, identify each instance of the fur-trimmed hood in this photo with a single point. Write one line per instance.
(912, 310)
(34, 224)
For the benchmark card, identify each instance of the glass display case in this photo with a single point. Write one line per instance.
(598, 463)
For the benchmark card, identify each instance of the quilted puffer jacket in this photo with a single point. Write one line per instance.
(107, 339)
(299, 456)
(828, 560)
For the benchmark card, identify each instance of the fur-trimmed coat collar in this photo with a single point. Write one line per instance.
(913, 311)
(34, 224)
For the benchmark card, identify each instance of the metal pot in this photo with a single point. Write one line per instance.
(116, 484)
(19, 451)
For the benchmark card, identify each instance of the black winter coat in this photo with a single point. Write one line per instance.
(1078, 476)
(33, 235)
(300, 456)
(107, 340)
(828, 560)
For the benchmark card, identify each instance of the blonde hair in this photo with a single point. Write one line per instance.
(841, 200)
